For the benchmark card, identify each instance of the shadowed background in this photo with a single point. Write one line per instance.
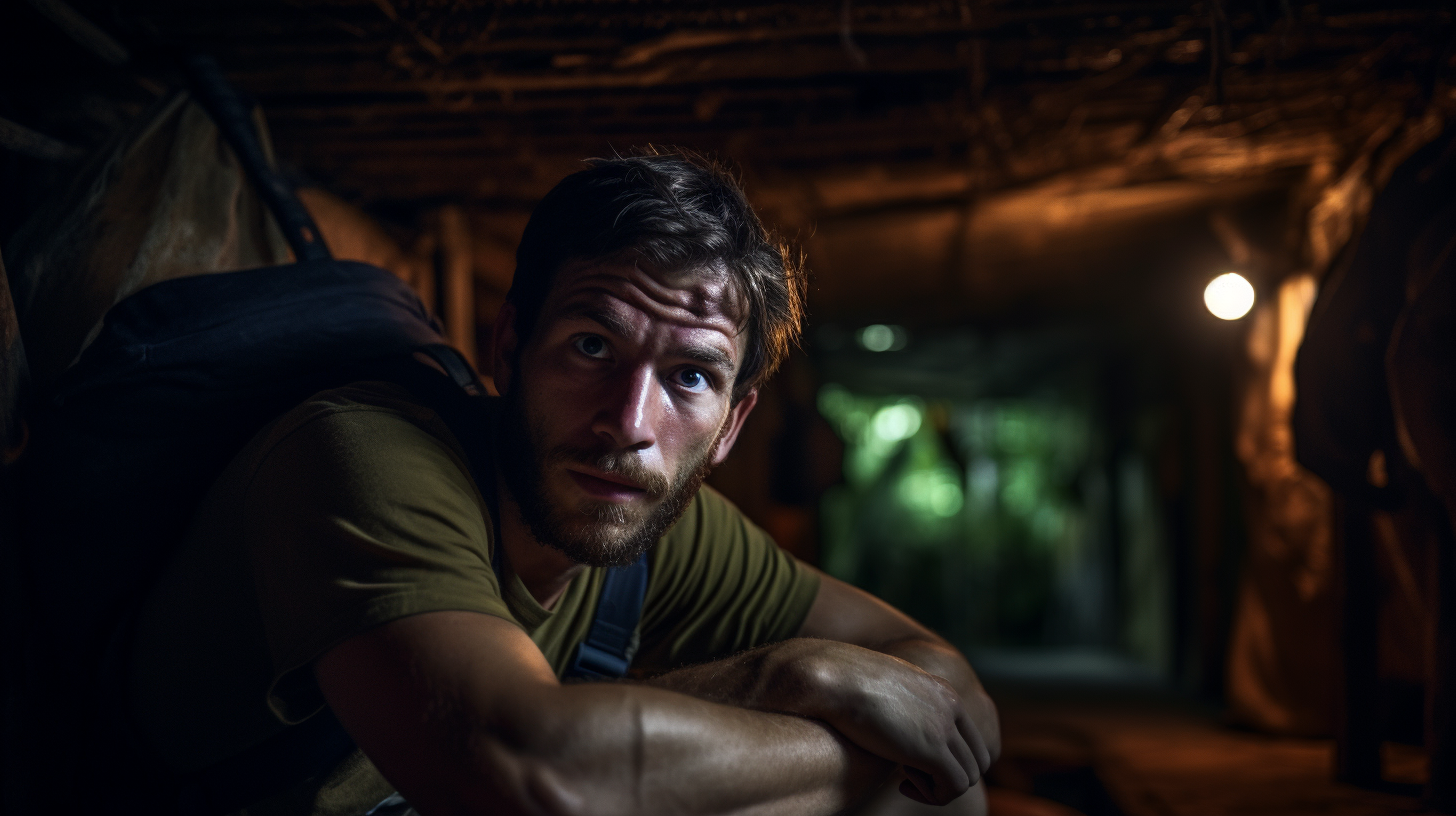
(1011, 414)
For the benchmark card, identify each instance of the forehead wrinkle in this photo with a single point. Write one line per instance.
(585, 302)
(707, 290)
(698, 291)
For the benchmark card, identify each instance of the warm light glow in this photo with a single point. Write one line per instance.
(1229, 296)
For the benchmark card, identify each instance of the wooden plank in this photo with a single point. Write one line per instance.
(1160, 758)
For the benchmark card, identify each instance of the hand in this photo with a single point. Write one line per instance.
(895, 710)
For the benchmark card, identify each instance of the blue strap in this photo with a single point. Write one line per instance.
(606, 653)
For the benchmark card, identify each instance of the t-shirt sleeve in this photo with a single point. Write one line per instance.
(719, 585)
(354, 519)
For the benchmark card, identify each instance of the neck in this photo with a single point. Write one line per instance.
(546, 571)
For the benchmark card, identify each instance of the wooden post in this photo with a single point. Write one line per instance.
(1422, 381)
(458, 280)
(422, 269)
(1357, 729)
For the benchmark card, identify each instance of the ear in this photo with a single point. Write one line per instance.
(503, 346)
(736, 415)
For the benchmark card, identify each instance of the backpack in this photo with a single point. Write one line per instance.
(124, 445)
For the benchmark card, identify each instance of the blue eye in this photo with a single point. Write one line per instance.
(591, 345)
(692, 380)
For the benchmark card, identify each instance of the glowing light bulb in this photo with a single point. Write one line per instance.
(1229, 296)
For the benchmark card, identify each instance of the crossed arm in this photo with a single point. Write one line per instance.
(461, 712)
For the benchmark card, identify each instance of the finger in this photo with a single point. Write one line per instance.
(976, 743)
(965, 755)
(959, 779)
(948, 779)
(908, 789)
(920, 782)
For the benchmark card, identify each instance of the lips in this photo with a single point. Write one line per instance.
(606, 486)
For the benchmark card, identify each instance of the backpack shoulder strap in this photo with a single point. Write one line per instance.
(606, 654)
(456, 367)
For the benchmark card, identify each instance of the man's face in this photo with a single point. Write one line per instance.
(618, 405)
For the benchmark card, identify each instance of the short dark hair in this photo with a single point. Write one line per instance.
(673, 210)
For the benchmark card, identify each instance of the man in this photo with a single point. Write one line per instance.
(347, 559)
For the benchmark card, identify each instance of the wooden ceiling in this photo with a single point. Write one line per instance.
(961, 131)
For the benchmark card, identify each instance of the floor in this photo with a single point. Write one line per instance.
(1146, 754)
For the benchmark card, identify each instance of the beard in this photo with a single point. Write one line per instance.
(592, 532)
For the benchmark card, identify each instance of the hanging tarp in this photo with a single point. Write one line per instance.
(1314, 407)
(168, 201)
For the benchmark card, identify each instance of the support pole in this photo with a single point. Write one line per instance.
(458, 279)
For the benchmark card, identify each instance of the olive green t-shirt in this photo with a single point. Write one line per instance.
(356, 509)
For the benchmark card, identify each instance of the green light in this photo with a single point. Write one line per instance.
(879, 337)
(895, 422)
(1021, 491)
(834, 401)
(946, 499)
(936, 492)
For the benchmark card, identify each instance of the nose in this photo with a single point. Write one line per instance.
(628, 419)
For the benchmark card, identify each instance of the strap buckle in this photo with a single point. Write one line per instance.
(591, 663)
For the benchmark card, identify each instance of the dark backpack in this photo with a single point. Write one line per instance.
(180, 377)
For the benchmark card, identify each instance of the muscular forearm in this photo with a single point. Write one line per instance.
(780, 677)
(793, 677)
(913, 700)
(462, 714)
(613, 749)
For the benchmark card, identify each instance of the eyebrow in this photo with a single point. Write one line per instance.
(710, 356)
(609, 320)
